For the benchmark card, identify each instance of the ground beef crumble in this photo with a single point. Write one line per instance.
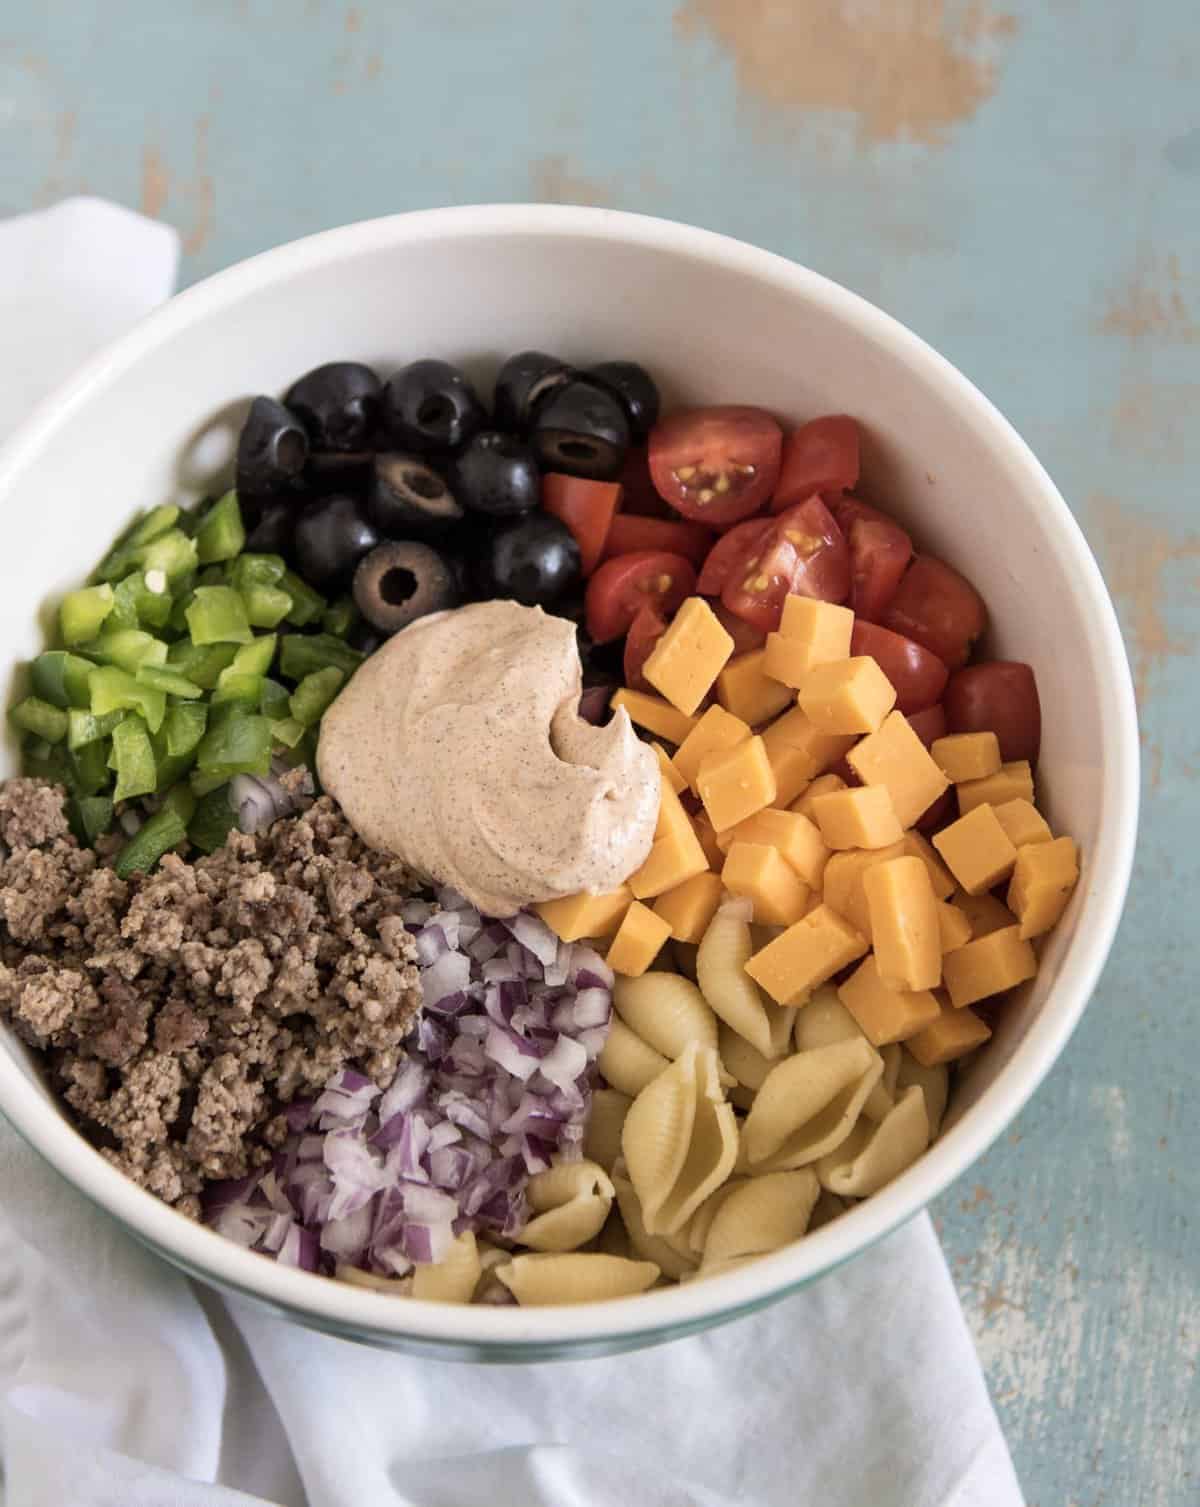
(180, 1011)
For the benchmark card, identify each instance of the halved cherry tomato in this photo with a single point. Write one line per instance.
(586, 507)
(879, 552)
(820, 456)
(745, 638)
(622, 587)
(1000, 697)
(644, 632)
(716, 465)
(803, 554)
(630, 533)
(639, 496)
(742, 540)
(939, 608)
(919, 676)
(929, 724)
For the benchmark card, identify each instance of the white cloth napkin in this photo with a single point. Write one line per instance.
(123, 1385)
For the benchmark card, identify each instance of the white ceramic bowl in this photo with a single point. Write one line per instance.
(152, 417)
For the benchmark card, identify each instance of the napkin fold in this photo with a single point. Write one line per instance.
(122, 1384)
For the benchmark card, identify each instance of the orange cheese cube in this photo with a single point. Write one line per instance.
(954, 927)
(805, 955)
(842, 887)
(885, 1013)
(977, 850)
(988, 966)
(707, 838)
(796, 838)
(638, 941)
(654, 715)
(904, 923)
(953, 1034)
(790, 767)
(672, 859)
(689, 656)
(796, 729)
(576, 916)
(1013, 782)
(690, 906)
(859, 818)
(759, 872)
(824, 784)
(1042, 881)
(894, 756)
(967, 756)
(673, 820)
(716, 729)
(745, 689)
(736, 782)
(810, 633)
(919, 846)
(670, 774)
(849, 696)
(1023, 822)
(984, 913)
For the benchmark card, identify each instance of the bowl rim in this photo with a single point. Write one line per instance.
(359, 1311)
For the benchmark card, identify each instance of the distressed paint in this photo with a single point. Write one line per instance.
(1031, 209)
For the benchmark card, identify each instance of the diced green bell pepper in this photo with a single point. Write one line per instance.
(170, 681)
(89, 816)
(173, 553)
(273, 699)
(339, 617)
(256, 570)
(246, 690)
(213, 820)
(33, 715)
(255, 657)
(116, 690)
(314, 694)
(302, 653)
(163, 831)
(217, 615)
(82, 613)
(266, 606)
(87, 770)
(136, 606)
(181, 800)
(85, 727)
(133, 758)
(61, 678)
(221, 535)
(307, 604)
(239, 744)
(128, 649)
(288, 731)
(157, 521)
(184, 727)
(201, 664)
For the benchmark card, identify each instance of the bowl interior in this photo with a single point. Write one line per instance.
(156, 420)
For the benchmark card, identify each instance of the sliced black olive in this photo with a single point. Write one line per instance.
(408, 498)
(272, 532)
(432, 407)
(581, 429)
(524, 380)
(331, 537)
(496, 473)
(635, 387)
(534, 562)
(401, 581)
(338, 403)
(272, 449)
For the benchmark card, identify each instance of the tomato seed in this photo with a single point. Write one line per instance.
(685, 473)
(722, 483)
(707, 494)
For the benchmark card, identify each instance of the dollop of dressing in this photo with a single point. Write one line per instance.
(458, 746)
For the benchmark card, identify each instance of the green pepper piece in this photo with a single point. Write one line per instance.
(288, 731)
(34, 715)
(239, 744)
(84, 727)
(157, 521)
(302, 653)
(89, 816)
(273, 699)
(134, 760)
(255, 657)
(129, 649)
(314, 694)
(158, 835)
(221, 535)
(61, 678)
(307, 604)
(339, 617)
(181, 800)
(246, 690)
(117, 690)
(213, 820)
(137, 606)
(169, 681)
(82, 613)
(202, 784)
(173, 553)
(217, 615)
(87, 770)
(266, 606)
(252, 570)
(184, 727)
(201, 664)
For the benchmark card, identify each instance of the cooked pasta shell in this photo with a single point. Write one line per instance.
(823, 1021)
(719, 1268)
(670, 1252)
(453, 1279)
(721, 960)
(491, 1256)
(613, 1239)
(666, 1011)
(808, 1104)
(602, 1133)
(577, 1277)
(883, 1096)
(745, 1063)
(696, 1232)
(398, 1287)
(827, 1208)
(680, 1140)
(627, 1062)
(570, 1203)
(761, 1215)
(874, 1154)
(934, 1083)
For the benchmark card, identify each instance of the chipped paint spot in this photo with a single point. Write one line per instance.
(1109, 1102)
(200, 192)
(1152, 304)
(156, 182)
(354, 19)
(374, 66)
(1158, 420)
(903, 70)
(555, 181)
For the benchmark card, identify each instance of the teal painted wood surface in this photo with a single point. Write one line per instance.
(1018, 180)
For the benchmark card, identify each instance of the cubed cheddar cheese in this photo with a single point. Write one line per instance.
(885, 1013)
(894, 756)
(734, 783)
(689, 656)
(1012, 782)
(842, 884)
(764, 877)
(716, 729)
(953, 925)
(824, 784)
(953, 1034)
(745, 689)
(967, 756)
(904, 923)
(1023, 822)
(638, 941)
(577, 916)
(848, 696)
(820, 750)
(790, 767)
(862, 817)
(977, 850)
(670, 774)
(673, 820)
(805, 956)
(796, 838)
(654, 714)
(988, 966)
(707, 837)
(673, 858)
(810, 633)
(1042, 881)
(985, 914)
(690, 906)
(940, 877)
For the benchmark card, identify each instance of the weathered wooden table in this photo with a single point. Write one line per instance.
(1019, 181)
